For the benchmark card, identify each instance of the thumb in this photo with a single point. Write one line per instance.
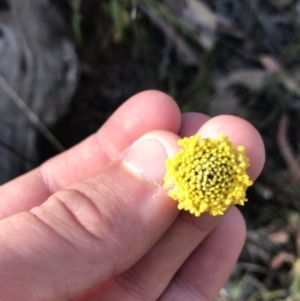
(90, 232)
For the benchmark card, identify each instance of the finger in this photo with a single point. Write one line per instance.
(94, 230)
(240, 132)
(151, 275)
(142, 113)
(148, 278)
(207, 269)
(191, 123)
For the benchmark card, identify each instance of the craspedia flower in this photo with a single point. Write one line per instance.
(207, 175)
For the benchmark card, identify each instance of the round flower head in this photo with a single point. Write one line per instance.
(207, 175)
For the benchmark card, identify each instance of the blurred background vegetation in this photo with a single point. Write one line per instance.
(236, 57)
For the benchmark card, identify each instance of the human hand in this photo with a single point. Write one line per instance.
(95, 224)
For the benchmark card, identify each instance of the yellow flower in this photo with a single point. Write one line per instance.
(207, 175)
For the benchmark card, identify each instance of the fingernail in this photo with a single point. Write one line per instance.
(147, 157)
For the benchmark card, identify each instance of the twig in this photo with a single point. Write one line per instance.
(30, 114)
(285, 148)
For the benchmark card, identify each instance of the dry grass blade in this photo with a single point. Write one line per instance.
(285, 148)
(29, 114)
(184, 50)
(197, 16)
(17, 153)
(250, 78)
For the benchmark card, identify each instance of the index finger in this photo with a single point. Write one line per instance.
(144, 112)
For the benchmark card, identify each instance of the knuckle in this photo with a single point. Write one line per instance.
(96, 207)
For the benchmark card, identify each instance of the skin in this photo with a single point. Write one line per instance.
(95, 224)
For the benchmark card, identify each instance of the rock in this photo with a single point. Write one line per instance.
(38, 62)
